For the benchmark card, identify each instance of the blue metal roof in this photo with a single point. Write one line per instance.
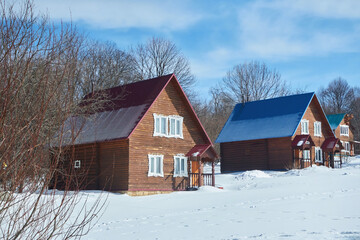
(335, 119)
(271, 118)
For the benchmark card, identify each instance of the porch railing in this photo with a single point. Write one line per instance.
(205, 179)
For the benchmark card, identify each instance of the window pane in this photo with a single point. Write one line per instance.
(158, 164)
(178, 127)
(182, 165)
(152, 163)
(172, 126)
(163, 125)
(157, 125)
(177, 166)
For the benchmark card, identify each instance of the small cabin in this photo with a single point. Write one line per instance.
(341, 126)
(147, 139)
(278, 134)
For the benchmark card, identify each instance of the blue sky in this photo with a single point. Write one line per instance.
(310, 42)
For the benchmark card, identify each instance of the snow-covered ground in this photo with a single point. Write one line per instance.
(313, 203)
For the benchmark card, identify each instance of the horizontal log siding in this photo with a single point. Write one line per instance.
(142, 142)
(280, 153)
(345, 138)
(84, 177)
(243, 155)
(313, 114)
(114, 165)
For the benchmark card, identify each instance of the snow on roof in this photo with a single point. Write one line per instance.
(335, 119)
(271, 118)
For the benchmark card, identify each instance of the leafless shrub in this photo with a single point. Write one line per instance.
(38, 65)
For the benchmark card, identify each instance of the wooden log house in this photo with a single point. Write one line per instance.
(277, 134)
(149, 140)
(342, 128)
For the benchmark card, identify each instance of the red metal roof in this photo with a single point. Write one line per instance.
(127, 106)
(200, 149)
(331, 143)
(301, 140)
(133, 94)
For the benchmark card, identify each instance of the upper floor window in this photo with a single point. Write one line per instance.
(317, 129)
(304, 126)
(344, 130)
(168, 126)
(156, 165)
(176, 126)
(180, 166)
(161, 125)
(318, 154)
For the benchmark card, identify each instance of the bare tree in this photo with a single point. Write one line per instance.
(355, 110)
(252, 81)
(337, 96)
(38, 65)
(158, 57)
(103, 65)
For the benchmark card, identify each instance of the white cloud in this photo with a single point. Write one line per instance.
(283, 29)
(347, 9)
(122, 14)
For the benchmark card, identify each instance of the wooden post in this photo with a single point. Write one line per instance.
(213, 172)
(200, 171)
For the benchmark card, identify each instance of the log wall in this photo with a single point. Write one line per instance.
(142, 142)
(314, 113)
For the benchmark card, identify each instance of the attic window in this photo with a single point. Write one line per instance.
(176, 123)
(160, 125)
(317, 129)
(344, 130)
(77, 164)
(304, 126)
(168, 126)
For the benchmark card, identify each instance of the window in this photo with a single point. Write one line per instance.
(176, 123)
(160, 125)
(306, 154)
(317, 129)
(346, 146)
(180, 166)
(77, 164)
(318, 155)
(304, 126)
(168, 126)
(344, 130)
(156, 165)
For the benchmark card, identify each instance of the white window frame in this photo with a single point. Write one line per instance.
(347, 146)
(303, 121)
(159, 117)
(308, 153)
(318, 155)
(179, 173)
(177, 120)
(346, 128)
(155, 173)
(317, 129)
(77, 164)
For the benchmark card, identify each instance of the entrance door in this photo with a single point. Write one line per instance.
(195, 171)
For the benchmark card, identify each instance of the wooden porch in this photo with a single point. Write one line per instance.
(198, 156)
